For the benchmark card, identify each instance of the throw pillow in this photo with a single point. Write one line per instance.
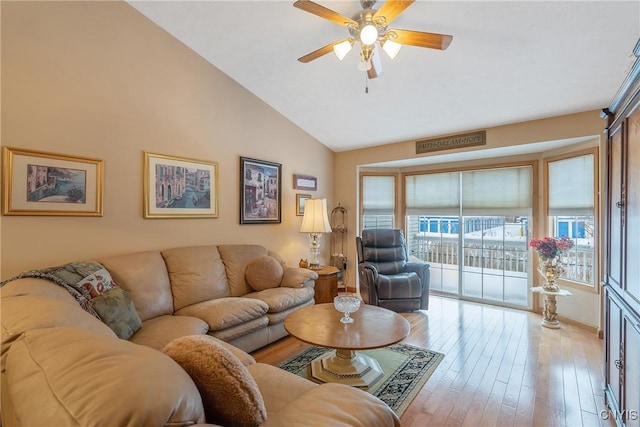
(296, 277)
(117, 311)
(229, 393)
(263, 273)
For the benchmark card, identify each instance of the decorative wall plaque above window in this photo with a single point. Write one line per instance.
(463, 140)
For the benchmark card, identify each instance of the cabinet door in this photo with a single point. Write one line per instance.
(613, 341)
(615, 209)
(632, 210)
(631, 407)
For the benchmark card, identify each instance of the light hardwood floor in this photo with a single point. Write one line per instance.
(501, 368)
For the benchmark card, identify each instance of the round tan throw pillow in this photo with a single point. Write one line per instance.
(229, 393)
(264, 273)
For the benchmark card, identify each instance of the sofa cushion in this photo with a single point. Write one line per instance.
(294, 277)
(281, 299)
(235, 259)
(241, 330)
(223, 313)
(27, 312)
(144, 276)
(281, 315)
(229, 394)
(263, 273)
(161, 330)
(197, 274)
(117, 311)
(76, 377)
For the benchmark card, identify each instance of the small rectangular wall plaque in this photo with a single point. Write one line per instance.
(305, 182)
(450, 142)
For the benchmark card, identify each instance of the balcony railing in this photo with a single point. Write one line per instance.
(509, 255)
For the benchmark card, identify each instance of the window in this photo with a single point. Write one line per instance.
(571, 211)
(378, 201)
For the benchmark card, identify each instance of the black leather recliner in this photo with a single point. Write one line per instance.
(387, 278)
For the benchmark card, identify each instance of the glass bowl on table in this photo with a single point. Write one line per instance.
(346, 304)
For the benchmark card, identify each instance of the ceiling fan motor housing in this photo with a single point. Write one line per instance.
(367, 4)
(364, 18)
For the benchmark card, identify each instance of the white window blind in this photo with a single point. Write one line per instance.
(505, 191)
(378, 195)
(434, 194)
(570, 186)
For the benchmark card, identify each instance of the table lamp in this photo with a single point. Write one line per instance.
(315, 222)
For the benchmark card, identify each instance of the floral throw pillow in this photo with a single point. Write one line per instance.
(117, 311)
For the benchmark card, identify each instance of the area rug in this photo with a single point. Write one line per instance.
(406, 370)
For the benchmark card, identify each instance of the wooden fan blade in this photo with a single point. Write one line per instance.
(420, 39)
(320, 52)
(389, 11)
(323, 12)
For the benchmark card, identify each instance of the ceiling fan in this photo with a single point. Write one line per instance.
(369, 27)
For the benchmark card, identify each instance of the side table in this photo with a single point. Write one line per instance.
(549, 311)
(326, 284)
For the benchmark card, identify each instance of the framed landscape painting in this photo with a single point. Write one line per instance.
(41, 183)
(260, 188)
(300, 199)
(178, 187)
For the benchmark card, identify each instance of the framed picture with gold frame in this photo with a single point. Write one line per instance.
(179, 187)
(41, 183)
(300, 199)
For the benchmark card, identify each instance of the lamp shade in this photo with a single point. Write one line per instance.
(315, 218)
(391, 48)
(341, 49)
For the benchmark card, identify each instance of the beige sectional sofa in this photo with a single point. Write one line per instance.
(63, 366)
(202, 289)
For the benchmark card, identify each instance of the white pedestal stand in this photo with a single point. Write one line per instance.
(549, 311)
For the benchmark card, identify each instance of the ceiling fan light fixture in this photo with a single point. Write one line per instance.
(368, 34)
(391, 48)
(341, 49)
(364, 65)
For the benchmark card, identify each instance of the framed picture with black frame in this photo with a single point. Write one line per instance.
(260, 191)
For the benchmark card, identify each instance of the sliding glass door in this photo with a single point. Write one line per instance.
(495, 258)
(472, 228)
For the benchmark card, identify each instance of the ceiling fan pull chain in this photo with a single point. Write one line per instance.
(366, 83)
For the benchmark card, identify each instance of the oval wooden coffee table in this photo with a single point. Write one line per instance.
(373, 327)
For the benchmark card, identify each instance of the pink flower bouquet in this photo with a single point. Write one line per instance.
(551, 247)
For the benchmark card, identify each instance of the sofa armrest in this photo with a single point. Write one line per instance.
(295, 277)
(420, 268)
(332, 404)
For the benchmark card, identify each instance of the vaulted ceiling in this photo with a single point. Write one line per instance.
(510, 61)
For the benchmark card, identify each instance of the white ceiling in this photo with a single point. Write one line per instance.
(509, 61)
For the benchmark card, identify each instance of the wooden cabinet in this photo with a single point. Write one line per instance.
(622, 253)
(326, 284)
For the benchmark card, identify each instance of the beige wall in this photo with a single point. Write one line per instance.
(584, 306)
(98, 79)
